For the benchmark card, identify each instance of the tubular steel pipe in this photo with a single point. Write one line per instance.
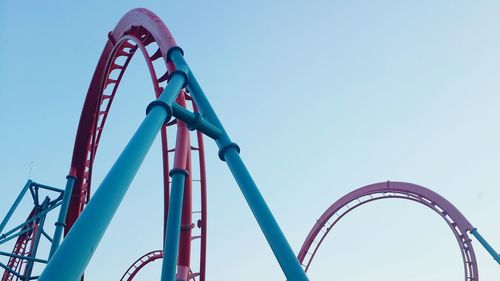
(10, 270)
(47, 187)
(173, 227)
(5, 237)
(198, 123)
(184, 256)
(486, 245)
(229, 152)
(60, 224)
(22, 257)
(166, 179)
(14, 206)
(34, 246)
(83, 238)
(8, 238)
(179, 175)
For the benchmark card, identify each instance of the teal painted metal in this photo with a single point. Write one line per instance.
(5, 237)
(486, 245)
(8, 238)
(36, 242)
(22, 257)
(10, 270)
(36, 184)
(268, 224)
(84, 236)
(60, 224)
(196, 121)
(201, 100)
(171, 246)
(14, 206)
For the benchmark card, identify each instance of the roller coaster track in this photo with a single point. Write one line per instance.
(84, 219)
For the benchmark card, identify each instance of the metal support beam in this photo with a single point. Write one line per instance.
(36, 236)
(43, 186)
(486, 245)
(22, 257)
(5, 237)
(10, 270)
(171, 246)
(179, 175)
(61, 220)
(229, 152)
(8, 238)
(14, 206)
(195, 121)
(85, 235)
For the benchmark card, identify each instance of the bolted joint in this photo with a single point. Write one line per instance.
(187, 227)
(180, 71)
(171, 50)
(163, 104)
(178, 171)
(223, 150)
(195, 124)
(60, 223)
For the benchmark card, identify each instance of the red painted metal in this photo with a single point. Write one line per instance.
(166, 178)
(145, 260)
(23, 242)
(182, 140)
(136, 30)
(202, 223)
(140, 263)
(400, 190)
(182, 161)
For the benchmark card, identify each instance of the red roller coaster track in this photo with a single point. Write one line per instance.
(136, 30)
(141, 30)
(392, 190)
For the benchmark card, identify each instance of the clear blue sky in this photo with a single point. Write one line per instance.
(322, 96)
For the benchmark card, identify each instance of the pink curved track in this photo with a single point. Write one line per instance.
(140, 263)
(387, 190)
(138, 29)
(145, 260)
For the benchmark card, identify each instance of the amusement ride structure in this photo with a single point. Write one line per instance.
(180, 106)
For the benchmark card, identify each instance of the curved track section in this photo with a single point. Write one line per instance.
(388, 190)
(140, 263)
(139, 30)
(145, 260)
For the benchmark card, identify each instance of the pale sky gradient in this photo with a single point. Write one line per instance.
(322, 96)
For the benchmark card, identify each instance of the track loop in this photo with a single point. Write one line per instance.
(138, 29)
(393, 190)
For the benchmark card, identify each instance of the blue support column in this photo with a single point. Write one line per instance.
(70, 260)
(36, 241)
(14, 206)
(171, 246)
(486, 245)
(229, 152)
(61, 220)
